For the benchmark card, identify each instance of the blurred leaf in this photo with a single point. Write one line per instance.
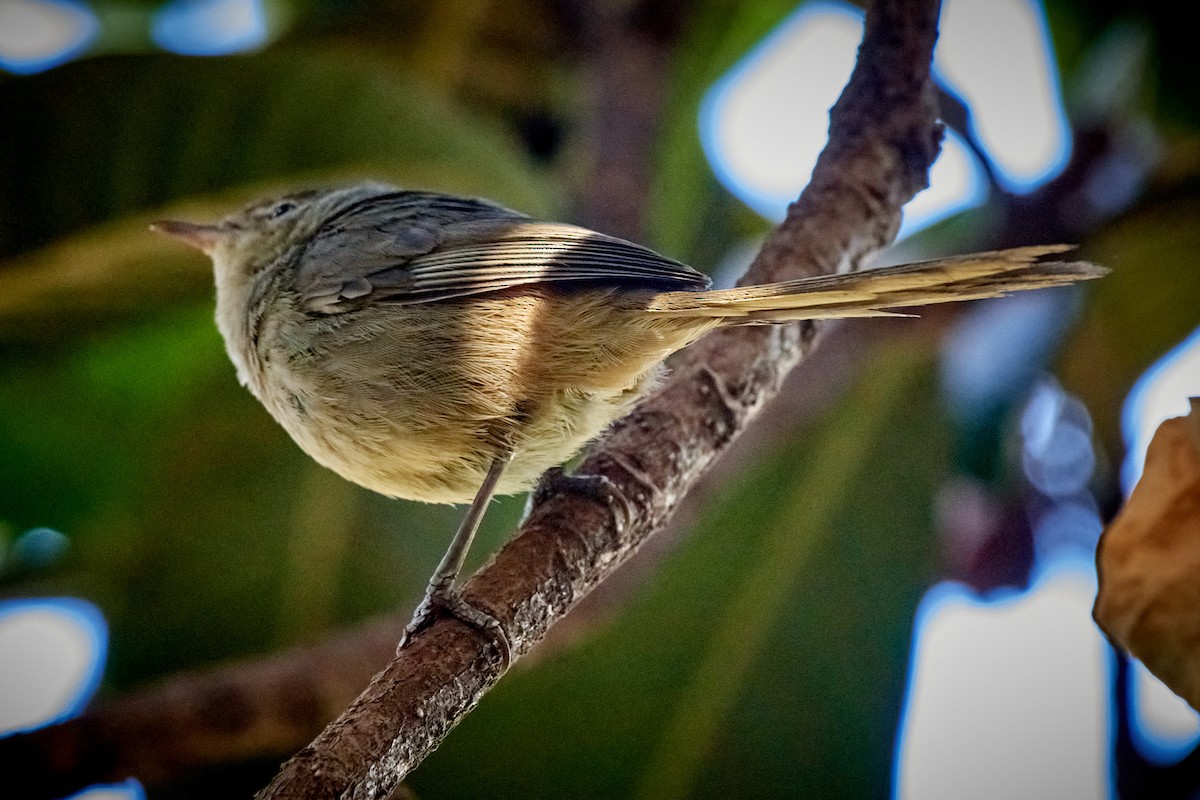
(116, 137)
(770, 652)
(104, 137)
(1146, 306)
(1148, 558)
(99, 278)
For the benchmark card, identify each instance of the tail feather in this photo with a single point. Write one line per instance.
(872, 293)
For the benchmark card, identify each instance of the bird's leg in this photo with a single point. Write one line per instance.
(441, 594)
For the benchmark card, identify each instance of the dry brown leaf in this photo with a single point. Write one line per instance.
(1149, 561)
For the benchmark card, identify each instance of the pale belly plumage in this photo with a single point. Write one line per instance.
(421, 401)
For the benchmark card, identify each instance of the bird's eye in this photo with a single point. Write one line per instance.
(281, 209)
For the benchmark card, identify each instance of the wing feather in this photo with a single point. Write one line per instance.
(420, 247)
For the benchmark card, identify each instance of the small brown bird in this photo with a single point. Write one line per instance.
(446, 349)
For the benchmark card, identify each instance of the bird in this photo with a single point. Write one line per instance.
(448, 349)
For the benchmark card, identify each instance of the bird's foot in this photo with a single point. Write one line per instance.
(597, 487)
(445, 598)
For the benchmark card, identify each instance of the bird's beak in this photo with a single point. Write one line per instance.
(201, 237)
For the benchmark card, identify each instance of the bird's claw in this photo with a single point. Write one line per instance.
(447, 599)
(598, 487)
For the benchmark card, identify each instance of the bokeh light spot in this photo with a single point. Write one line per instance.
(998, 57)
(38, 548)
(1160, 393)
(978, 378)
(127, 790)
(1164, 727)
(1008, 693)
(1057, 456)
(762, 129)
(956, 182)
(53, 650)
(210, 27)
(38, 34)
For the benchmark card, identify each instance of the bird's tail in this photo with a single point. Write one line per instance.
(871, 293)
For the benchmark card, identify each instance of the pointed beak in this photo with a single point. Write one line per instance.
(201, 237)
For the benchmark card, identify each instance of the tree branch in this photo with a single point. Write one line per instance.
(883, 138)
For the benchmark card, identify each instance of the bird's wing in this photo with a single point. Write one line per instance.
(418, 247)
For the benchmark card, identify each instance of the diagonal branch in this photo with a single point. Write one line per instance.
(883, 138)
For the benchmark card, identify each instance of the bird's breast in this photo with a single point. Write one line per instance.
(417, 401)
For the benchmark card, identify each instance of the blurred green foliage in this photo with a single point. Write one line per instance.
(105, 137)
(110, 140)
